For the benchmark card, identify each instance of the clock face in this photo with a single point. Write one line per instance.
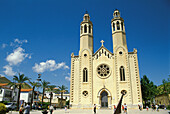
(103, 71)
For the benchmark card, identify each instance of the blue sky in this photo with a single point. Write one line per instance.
(47, 32)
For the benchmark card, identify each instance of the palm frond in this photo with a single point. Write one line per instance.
(44, 84)
(11, 84)
(15, 78)
(51, 88)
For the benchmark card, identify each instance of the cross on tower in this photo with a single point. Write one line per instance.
(102, 42)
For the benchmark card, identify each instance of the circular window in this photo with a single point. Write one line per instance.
(103, 70)
(85, 93)
(120, 52)
(85, 55)
(123, 92)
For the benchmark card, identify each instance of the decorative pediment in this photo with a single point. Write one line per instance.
(104, 51)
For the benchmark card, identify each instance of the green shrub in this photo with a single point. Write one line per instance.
(168, 107)
(45, 105)
(5, 102)
(2, 108)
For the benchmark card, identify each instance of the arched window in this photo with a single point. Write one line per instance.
(97, 56)
(105, 53)
(122, 74)
(113, 26)
(85, 28)
(99, 53)
(85, 75)
(118, 26)
(81, 29)
(89, 28)
(122, 25)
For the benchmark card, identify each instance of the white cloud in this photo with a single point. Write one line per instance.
(67, 78)
(49, 65)
(4, 45)
(8, 70)
(17, 56)
(29, 57)
(20, 41)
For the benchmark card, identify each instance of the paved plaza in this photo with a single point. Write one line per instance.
(100, 111)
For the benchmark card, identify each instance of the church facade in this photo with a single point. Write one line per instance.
(100, 78)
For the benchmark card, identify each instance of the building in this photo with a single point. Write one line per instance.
(163, 99)
(5, 89)
(100, 77)
(26, 93)
(56, 97)
(10, 94)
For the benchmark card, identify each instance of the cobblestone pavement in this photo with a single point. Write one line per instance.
(100, 111)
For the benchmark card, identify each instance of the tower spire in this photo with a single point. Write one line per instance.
(118, 30)
(86, 33)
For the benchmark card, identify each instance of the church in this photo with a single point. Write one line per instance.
(101, 77)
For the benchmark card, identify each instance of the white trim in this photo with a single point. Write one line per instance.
(104, 89)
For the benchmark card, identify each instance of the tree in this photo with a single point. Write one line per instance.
(149, 90)
(165, 87)
(44, 85)
(34, 85)
(62, 89)
(18, 82)
(51, 90)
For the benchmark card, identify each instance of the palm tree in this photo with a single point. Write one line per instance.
(44, 85)
(19, 81)
(34, 85)
(62, 89)
(51, 90)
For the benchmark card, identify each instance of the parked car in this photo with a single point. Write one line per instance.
(11, 106)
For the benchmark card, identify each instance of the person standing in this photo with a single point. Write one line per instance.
(65, 108)
(114, 108)
(95, 108)
(21, 110)
(157, 107)
(125, 108)
(153, 107)
(122, 108)
(147, 107)
(27, 109)
(139, 107)
(51, 109)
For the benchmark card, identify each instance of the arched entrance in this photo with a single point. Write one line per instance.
(104, 99)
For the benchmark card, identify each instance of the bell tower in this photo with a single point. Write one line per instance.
(86, 33)
(118, 31)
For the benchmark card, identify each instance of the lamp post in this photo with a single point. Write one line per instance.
(39, 77)
(38, 81)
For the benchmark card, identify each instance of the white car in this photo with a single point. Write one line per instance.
(10, 106)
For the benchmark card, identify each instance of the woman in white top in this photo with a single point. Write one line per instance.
(51, 109)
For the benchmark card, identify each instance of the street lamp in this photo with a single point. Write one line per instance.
(39, 84)
(39, 77)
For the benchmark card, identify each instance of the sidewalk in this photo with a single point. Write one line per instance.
(100, 111)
